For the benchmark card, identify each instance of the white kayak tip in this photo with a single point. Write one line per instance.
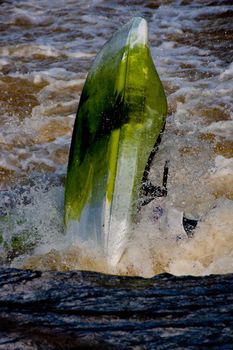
(139, 32)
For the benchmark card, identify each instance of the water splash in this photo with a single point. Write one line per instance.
(191, 46)
(157, 244)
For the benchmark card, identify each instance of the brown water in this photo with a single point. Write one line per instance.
(46, 49)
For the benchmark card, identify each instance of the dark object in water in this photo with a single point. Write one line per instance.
(83, 310)
(149, 192)
(189, 225)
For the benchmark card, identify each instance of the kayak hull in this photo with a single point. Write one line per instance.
(121, 113)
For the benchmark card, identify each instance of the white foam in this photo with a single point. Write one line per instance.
(22, 50)
(211, 244)
(221, 128)
(23, 16)
(223, 166)
(227, 73)
(79, 54)
(3, 62)
(59, 86)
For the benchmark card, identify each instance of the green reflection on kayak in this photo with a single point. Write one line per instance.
(121, 113)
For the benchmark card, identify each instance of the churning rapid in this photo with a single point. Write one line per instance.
(46, 50)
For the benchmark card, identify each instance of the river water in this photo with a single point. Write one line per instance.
(46, 49)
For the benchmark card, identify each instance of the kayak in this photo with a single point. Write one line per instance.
(121, 113)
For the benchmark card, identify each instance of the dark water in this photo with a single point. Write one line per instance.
(86, 310)
(46, 49)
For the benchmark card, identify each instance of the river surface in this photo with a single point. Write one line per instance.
(46, 49)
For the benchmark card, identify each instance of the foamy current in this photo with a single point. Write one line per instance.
(46, 50)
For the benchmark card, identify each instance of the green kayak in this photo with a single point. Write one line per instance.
(121, 113)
